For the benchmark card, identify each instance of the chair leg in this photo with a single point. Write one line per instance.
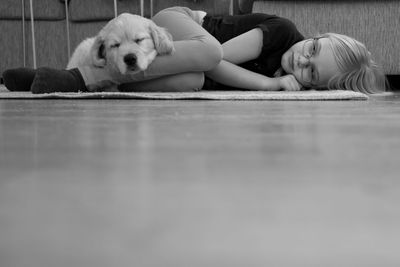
(142, 8)
(115, 8)
(23, 31)
(33, 35)
(67, 29)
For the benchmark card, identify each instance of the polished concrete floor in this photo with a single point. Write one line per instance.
(199, 183)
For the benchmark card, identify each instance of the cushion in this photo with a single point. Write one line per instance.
(42, 9)
(100, 10)
(210, 6)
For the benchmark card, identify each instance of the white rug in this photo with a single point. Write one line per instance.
(201, 95)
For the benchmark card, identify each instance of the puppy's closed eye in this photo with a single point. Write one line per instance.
(139, 40)
(116, 45)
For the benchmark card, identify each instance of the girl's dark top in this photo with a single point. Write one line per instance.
(279, 34)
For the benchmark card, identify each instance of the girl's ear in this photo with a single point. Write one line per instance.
(162, 39)
(98, 52)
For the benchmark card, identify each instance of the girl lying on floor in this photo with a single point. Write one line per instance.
(258, 52)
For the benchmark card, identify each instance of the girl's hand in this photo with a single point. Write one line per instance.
(289, 83)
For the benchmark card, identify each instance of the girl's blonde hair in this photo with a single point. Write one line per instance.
(359, 72)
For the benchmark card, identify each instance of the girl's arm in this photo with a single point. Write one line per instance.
(243, 48)
(235, 76)
(232, 75)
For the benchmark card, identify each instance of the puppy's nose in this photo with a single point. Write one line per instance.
(130, 59)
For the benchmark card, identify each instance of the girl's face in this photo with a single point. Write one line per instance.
(311, 61)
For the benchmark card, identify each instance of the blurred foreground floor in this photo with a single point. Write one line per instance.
(199, 183)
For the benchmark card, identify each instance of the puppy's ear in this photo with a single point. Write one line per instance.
(98, 52)
(162, 39)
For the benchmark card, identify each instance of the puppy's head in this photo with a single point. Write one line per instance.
(129, 43)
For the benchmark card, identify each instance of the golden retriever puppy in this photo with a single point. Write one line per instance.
(127, 44)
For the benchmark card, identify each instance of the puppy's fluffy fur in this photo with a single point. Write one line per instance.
(127, 44)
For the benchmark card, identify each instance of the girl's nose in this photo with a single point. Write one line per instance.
(303, 62)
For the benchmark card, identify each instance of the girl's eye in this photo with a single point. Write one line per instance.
(115, 45)
(312, 50)
(314, 47)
